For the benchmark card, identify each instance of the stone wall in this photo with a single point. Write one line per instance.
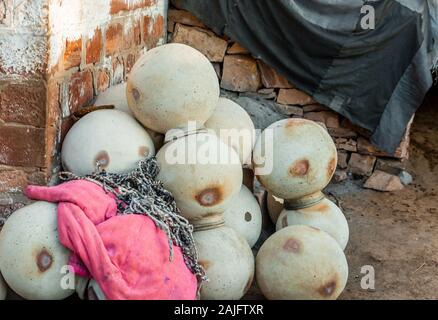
(55, 57)
(269, 97)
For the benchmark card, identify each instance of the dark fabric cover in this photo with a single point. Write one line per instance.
(375, 78)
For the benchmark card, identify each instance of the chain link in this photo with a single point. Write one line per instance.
(139, 192)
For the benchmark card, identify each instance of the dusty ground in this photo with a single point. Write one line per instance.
(398, 233)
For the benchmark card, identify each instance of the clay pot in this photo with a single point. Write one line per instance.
(303, 156)
(116, 96)
(275, 207)
(234, 126)
(108, 139)
(301, 263)
(31, 257)
(245, 216)
(324, 215)
(3, 288)
(171, 85)
(228, 262)
(202, 184)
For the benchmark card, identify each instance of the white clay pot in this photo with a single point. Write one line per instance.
(171, 85)
(228, 262)
(234, 126)
(31, 257)
(301, 263)
(245, 216)
(106, 139)
(3, 288)
(324, 215)
(202, 185)
(116, 96)
(303, 158)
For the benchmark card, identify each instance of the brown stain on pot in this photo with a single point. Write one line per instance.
(321, 207)
(143, 151)
(210, 196)
(248, 217)
(44, 260)
(331, 168)
(102, 159)
(328, 289)
(205, 264)
(292, 245)
(300, 168)
(293, 123)
(135, 94)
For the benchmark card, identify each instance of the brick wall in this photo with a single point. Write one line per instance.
(256, 86)
(55, 57)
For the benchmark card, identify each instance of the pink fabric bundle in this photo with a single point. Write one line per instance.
(127, 255)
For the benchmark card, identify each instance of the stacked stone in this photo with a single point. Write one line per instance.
(269, 97)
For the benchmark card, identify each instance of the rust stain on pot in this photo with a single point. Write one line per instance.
(210, 197)
(205, 264)
(331, 167)
(292, 245)
(293, 123)
(44, 260)
(135, 94)
(143, 151)
(102, 159)
(300, 168)
(248, 217)
(329, 288)
(321, 207)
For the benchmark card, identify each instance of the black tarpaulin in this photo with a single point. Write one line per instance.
(376, 78)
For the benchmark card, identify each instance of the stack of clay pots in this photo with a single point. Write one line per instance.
(174, 90)
(294, 160)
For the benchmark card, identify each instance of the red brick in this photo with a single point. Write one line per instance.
(94, 47)
(240, 74)
(118, 6)
(80, 90)
(153, 29)
(53, 122)
(129, 60)
(72, 54)
(24, 103)
(270, 77)
(236, 48)
(295, 97)
(331, 119)
(132, 37)
(102, 80)
(65, 127)
(21, 146)
(184, 17)
(114, 38)
(12, 180)
(205, 41)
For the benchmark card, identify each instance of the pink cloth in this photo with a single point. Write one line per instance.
(128, 255)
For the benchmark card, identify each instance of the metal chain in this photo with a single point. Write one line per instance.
(140, 193)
